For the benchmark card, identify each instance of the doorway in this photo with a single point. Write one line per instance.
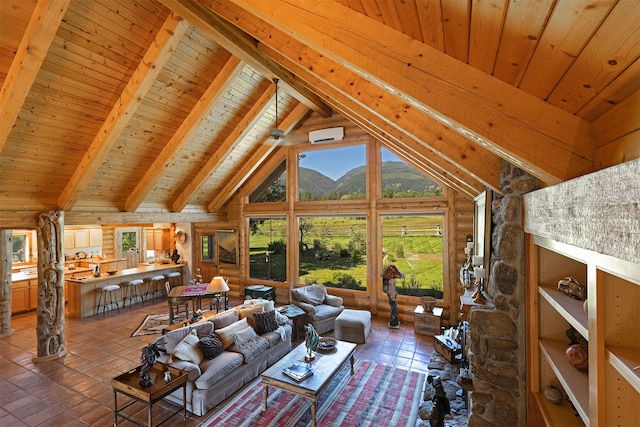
(127, 245)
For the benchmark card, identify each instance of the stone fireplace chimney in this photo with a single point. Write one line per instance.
(497, 341)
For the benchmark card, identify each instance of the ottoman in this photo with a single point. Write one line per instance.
(353, 326)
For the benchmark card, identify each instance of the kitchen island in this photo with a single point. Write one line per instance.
(83, 291)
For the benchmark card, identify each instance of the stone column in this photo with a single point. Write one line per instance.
(498, 336)
(6, 252)
(50, 320)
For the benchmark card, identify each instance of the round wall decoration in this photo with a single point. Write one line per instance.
(181, 237)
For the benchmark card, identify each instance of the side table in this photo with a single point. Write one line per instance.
(128, 384)
(295, 314)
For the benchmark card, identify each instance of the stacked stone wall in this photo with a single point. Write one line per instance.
(497, 350)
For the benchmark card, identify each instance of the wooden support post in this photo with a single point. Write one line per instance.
(5, 282)
(50, 324)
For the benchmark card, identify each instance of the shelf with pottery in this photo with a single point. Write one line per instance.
(83, 290)
(607, 392)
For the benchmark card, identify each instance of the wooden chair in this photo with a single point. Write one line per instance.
(176, 303)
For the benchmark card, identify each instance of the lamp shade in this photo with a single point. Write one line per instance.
(217, 285)
(392, 272)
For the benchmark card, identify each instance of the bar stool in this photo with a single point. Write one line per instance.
(107, 297)
(175, 279)
(132, 291)
(152, 286)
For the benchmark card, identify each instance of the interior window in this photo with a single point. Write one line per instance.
(268, 248)
(332, 174)
(333, 251)
(414, 244)
(208, 248)
(401, 180)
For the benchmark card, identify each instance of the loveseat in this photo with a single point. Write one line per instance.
(321, 309)
(224, 352)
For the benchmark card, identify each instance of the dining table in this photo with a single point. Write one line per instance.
(195, 292)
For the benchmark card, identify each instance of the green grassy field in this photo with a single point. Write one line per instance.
(330, 244)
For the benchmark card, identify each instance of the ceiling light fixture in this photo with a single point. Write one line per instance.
(276, 133)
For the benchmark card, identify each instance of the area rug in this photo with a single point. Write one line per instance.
(376, 395)
(154, 324)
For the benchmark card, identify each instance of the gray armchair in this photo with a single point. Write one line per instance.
(321, 309)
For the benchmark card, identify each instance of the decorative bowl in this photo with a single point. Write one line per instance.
(428, 303)
(326, 343)
(112, 272)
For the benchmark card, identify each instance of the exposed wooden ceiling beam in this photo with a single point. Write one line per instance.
(134, 92)
(236, 135)
(244, 47)
(185, 132)
(45, 20)
(542, 139)
(355, 93)
(256, 159)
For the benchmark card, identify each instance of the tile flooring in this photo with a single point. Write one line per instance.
(75, 390)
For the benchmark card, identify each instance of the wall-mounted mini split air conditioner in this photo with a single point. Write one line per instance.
(326, 135)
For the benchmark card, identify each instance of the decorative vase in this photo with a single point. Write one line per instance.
(578, 356)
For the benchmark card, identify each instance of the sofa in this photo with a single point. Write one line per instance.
(321, 309)
(223, 352)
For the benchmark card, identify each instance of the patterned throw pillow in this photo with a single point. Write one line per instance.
(188, 349)
(265, 322)
(211, 346)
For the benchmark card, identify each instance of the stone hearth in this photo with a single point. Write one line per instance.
(448, 373)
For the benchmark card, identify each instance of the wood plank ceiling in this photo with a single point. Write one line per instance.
(158, 106)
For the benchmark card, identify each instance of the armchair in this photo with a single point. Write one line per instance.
(321, 309)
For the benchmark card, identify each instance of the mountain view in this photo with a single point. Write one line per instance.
(397, 177)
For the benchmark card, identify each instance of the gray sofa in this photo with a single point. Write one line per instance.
(213, 380)
(321, 309)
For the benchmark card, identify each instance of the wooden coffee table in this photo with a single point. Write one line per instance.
(129, 385)
(325, 367)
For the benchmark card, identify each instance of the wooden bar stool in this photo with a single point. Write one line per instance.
(132, 291)
(152, 286)
(107, 297)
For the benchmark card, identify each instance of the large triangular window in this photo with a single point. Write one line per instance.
(273, 188)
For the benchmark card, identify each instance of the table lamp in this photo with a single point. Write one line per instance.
(218, 286)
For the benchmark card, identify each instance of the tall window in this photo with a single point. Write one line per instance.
(414, 245)
(20, 253)
(208, 248)
(333, 251)
(268, 248)
(332, 174)
(400, 180)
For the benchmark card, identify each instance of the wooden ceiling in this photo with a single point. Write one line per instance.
(158, 106)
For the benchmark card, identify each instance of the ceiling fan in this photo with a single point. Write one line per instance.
(277, 134)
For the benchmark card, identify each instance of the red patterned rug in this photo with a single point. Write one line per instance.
(376, 395)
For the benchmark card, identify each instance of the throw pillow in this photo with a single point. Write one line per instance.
(265, 322)
(211, 346)
(225, 319)
(226, 333)
(246, 338)
(188, 349)
(248, 311)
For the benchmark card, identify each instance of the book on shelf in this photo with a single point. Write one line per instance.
(298, 371)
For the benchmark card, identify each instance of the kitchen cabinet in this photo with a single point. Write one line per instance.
(81, 238)
(95, 237)
(608, 394)
(69, 239)
(24, 295)
(158, 239)
(19, 296)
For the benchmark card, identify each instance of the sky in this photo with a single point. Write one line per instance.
(335, 163)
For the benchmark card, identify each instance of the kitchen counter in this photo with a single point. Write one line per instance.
(83, 291)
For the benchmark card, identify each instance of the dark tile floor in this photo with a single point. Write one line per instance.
(76, 390)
